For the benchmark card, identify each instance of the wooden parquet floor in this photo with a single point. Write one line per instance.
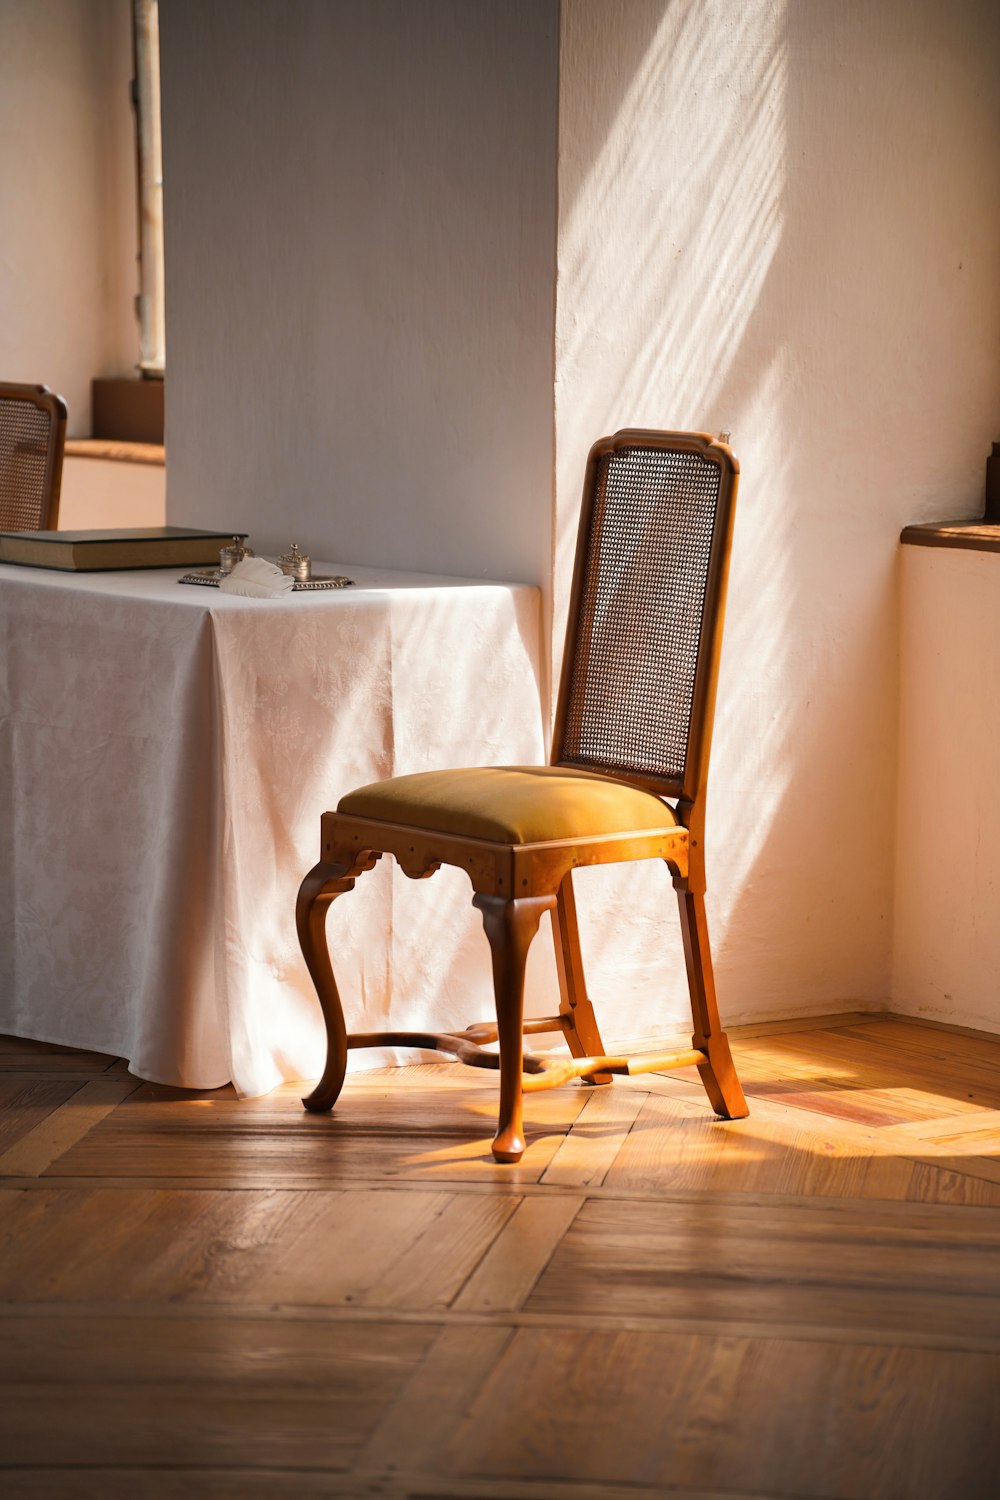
(206, 1297)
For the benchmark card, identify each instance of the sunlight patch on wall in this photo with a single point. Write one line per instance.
(672, 177)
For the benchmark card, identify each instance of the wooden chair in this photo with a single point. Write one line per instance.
(633, 728)
(32, 439)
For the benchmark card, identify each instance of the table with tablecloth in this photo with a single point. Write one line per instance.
(165, 754)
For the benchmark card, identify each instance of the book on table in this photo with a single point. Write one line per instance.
(97, 551)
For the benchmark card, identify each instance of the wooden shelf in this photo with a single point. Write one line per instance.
(116, 450)
(972, 536)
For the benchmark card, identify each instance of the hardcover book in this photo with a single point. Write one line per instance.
(97, 551)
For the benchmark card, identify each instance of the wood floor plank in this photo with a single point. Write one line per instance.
(245, 1484)
(976, 1133)
(235, 1297)
(438, 1392)
(85, 1107)
(983, 1167)
(25, 1102)
(185, 1484)
(677, 1143)
(936, 1184)
(829, 1021)
(434, 1127)
(928, 1042)
(406, 1250)
(588, 1151)
(21, 1055)
(231, 1349)
(855, 1064)
(897, 1163)
(226, 1393)
(93, 1244)
(519, 1254)
(911, 1266)
(683, 1411)
(862, 1106)
(439, 1262)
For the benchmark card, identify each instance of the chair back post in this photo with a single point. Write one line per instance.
(692, 808)
(32, 443)
(632, 611)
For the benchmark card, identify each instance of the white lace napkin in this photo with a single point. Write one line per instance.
(257, 578)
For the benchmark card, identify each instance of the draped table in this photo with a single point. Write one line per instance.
(165, 754)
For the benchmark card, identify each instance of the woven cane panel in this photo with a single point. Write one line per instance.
(24, 451)
(647, 564)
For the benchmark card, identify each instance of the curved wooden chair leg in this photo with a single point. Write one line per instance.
(718, 1072)
(323, 885)
(510, 927)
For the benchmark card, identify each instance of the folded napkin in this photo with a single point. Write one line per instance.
(257, 578)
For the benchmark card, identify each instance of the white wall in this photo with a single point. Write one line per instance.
(779, 219)
(783, 220)
(103, 493)
(947, 948)
(360, 240)
(67, 197)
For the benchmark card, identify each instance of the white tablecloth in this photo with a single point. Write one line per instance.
(165, 754)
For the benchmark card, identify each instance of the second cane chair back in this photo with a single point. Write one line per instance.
(626, 781)
(32, 440)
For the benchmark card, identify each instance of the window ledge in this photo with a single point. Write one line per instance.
(972, 536)
(116, 451)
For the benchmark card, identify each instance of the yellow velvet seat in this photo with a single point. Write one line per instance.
(512, 804)
(626, 782)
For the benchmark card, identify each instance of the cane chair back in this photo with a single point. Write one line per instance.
(32, 439)
(639, 671)
(633, 729)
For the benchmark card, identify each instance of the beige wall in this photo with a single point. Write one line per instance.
(67, 197)
(101, 493)
(947, 940)
(360, 240)
(783, 220)
(779, 219)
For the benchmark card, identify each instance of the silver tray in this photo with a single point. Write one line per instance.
(211, 577)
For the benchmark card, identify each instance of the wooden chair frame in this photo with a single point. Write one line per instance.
(514, 884)
(55, 409)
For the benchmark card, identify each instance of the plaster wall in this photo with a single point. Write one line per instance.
(947, 939)
(104, 493)
(67, 197)
(360, 246)
(783, 220)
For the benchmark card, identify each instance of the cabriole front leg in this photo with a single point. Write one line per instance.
(510, 927)
(323, 884)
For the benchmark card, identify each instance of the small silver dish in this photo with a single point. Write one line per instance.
(212, 577)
